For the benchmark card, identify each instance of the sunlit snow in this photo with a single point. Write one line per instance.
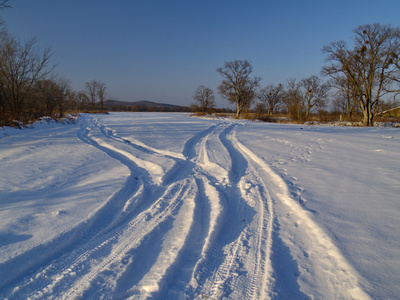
(167, 206)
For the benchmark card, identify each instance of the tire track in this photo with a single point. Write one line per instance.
(239, 264)
(159, 217)
(200, 226)
(312, 249)
(77, 237)
(151, 273)
(110, 229)
(155, 277)
(255, 191)
(202, 229)
(110, 133)
(214, 270)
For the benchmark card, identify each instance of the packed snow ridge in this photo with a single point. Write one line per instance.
(164, 206)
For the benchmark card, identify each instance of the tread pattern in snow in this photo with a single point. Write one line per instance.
(204, 228)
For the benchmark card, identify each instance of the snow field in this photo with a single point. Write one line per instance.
(169, 207)
(302, 233)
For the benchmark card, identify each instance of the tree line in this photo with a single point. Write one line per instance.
(360, 78)
(29, 87)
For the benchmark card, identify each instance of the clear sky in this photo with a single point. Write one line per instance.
(162, 50)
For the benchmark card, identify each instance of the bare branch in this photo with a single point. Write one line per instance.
(3, 4)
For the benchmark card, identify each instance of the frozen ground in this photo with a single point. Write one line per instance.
(152, 205)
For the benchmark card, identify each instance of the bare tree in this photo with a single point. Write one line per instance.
(314, 94)
(292, 99)
(339, 104)
(82, 101)
(91, 92)
(63, 95)
(346, 96)
(51, 96)
(271, 96)
(96, 91)
(21, 65)
(260, 110)
(237, 86)
(44, 94)
(101, 94)
(370, 67)
(303, 97)
(205, 99)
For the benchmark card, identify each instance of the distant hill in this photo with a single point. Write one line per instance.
(116, 105)
(143, 103)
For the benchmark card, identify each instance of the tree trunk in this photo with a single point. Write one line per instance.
(238, 110)
(368, 119)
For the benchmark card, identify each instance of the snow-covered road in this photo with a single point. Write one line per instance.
(153, 205)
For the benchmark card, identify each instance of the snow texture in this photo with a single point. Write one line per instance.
(164, 206)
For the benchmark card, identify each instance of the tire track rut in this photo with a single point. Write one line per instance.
(202, 228)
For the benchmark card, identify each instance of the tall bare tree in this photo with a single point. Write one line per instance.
(237, 86)
(205, 99)
(271, 96)
(370, 67)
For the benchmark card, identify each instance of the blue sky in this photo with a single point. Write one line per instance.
(163, 50)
